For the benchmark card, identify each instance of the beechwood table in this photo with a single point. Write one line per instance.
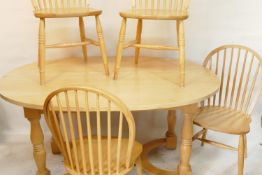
(151, 85)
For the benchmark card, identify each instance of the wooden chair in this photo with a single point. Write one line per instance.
(67, 9)
(154, 10)
(81, 122)
(229, 111)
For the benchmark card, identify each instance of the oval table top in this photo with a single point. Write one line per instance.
(152, 84)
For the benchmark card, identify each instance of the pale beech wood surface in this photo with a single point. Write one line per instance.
(44, 9)
(154, 14)
(85, 148)
(63, 13)
(176, 10)
(229, 111)
(153, 84)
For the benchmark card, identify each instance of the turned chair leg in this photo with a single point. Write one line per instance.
(204, 137)
(241, 155)
(245, 142)
(138, 39)
(139, 167)
(120, 48)
(54, 147)
(102, 44)
(83, 37)
(181, 46)
(41, 51)
(177, 32)
(171, 138)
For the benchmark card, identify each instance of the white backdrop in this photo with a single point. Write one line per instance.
(211, 23)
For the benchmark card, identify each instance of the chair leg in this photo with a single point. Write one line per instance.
(245, 142)
(139, 167)
(171, 138)
(204, 136)
(181, 45)
(241, 152)
(41, 51)
(83, 37)
(102, 44)
(138, 39)
(120, 48)
(177, 32)
(54, 147)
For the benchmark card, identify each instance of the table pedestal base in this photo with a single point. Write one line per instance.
(149, 167)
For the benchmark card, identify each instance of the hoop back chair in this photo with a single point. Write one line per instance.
(229, 110)
(75, 118)
(67, 9)
(154, 10)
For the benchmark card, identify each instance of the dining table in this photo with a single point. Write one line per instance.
(153, 84)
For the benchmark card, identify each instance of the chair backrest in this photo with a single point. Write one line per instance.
(59, 4)
(239, 69)
(68, 115)
(175, 5)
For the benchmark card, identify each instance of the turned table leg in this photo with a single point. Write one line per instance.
(171, 139)
(37, 139)
(184, 167)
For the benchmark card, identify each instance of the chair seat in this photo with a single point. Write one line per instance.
(154, 14)
(224, 120)
(137, 150)
(66, 13)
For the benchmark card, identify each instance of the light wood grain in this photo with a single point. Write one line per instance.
(67, 9)
(76, 148)
(154, 14)
(155, 47)
(102, 44)
(67, 13)
(41, 51)
(224, 120)
(56, 4)
(229, 111)
(54, 147)
(65, 45)
(171, 137)
(154, 10)
(241, 155)
(184, 167)
(174, 5)
(204, 136)
(83, 37)
(155, 73)
(138, 39)
(120, 48)
(182, 54)
(221, 145)
(37, 139)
